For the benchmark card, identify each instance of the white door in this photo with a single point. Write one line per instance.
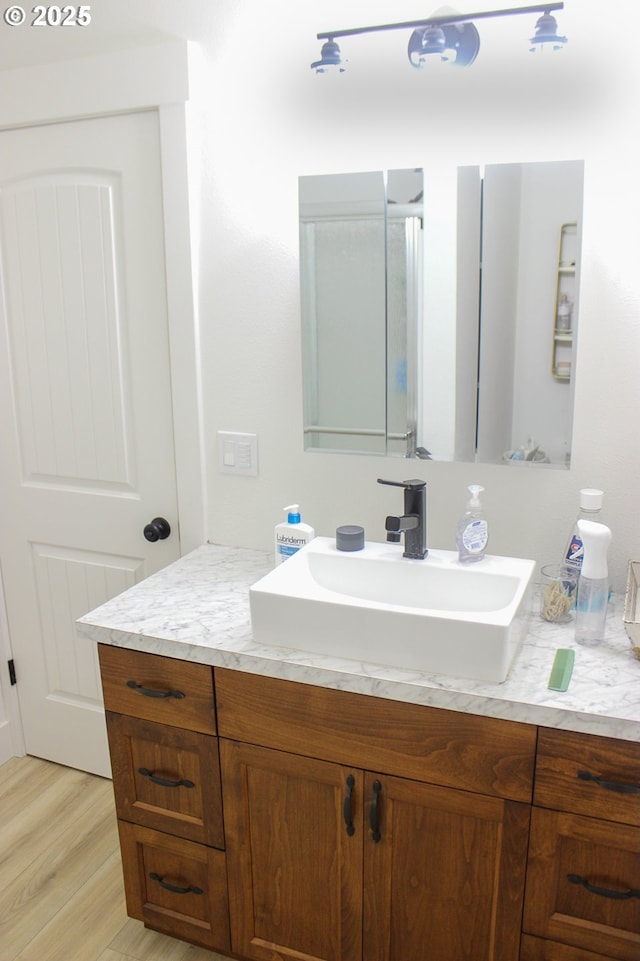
(86, 436)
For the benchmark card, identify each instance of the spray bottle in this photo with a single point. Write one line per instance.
(593, 583)
(590, 510)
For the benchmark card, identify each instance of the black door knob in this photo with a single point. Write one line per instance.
(158, 530)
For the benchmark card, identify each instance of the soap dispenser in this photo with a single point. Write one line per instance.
(291, 534)
(472, 532)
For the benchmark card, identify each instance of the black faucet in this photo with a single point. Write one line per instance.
(414, 520)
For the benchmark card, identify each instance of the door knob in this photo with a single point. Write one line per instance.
(158, 530)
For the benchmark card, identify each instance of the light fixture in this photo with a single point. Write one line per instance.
(547, 33)
(329, 58)
(448, 36)
(458, 43)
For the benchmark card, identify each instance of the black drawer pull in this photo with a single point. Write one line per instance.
(163, 781)
(374, 814)
(172, 887)
(603, 892)
(149, 692)
(347, 813)
(617, 786)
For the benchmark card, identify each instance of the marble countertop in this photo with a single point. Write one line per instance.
(197, 609)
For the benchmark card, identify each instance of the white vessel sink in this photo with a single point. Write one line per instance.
(434, 615)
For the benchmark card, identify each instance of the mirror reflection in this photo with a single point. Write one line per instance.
(439, 311)
(361, 272)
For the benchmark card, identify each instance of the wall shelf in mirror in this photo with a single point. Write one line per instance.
(566, 289)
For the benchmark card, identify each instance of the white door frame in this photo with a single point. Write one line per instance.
(154, 77)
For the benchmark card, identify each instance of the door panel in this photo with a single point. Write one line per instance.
(295, 872)
(447, 872)
(69, 354)
(86, 430)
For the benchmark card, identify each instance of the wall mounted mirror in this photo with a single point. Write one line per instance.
(361, 274)
(440, 311)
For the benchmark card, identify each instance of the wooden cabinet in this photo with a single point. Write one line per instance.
(278, 821)
(344, 862)
(583, 878)
(166, 778)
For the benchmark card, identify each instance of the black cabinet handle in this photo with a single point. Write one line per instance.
(374, 816)
(162, 781)
(149, 692)
(172, 887)
(603, 892)
(347, 812)
(617, 786)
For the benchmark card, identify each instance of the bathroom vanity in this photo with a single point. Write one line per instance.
(274, 805)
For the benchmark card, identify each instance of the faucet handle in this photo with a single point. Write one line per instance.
(414, 484)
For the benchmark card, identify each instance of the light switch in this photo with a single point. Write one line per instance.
(237, 453)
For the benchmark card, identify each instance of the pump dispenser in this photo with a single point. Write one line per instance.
(472, 532)
(291, 534)
(593, 584)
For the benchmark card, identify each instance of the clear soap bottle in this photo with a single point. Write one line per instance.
(472, 532)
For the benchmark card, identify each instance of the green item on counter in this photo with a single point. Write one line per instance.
(562, 669)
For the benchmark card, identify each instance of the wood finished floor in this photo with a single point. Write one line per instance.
(61, 893)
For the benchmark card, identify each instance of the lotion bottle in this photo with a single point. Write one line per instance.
(472, 532)
(593, 583)
(291, 534)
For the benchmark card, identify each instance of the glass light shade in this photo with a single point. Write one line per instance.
(424, 43)
(546, 35)
(330, 59)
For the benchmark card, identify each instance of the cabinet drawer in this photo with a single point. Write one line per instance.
(480, 754)
(176, 886)
(583, 884)
(157, 688)
(586, 774)
(535, 949)
(166, 779)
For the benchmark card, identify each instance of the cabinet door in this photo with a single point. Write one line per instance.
(445, 879)
(293, 829)
(583, 886)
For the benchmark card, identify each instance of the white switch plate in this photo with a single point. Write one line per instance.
(237, 453)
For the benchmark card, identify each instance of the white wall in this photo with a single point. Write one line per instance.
(261, 118)
(268, 119)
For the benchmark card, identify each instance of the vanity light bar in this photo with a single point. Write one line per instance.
(452, 36)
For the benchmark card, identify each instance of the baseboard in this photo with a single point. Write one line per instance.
(6, 743)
